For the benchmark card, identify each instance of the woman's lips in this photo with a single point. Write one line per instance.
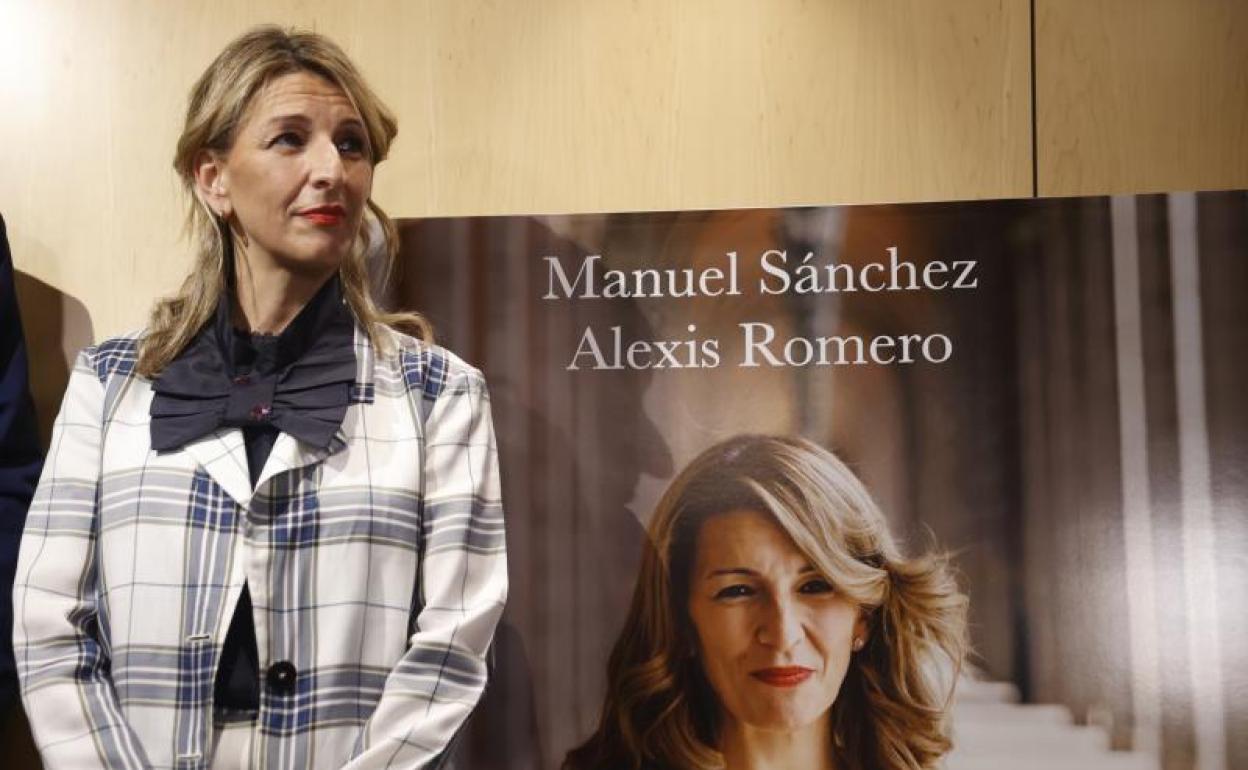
(324, 215)
(782, 676)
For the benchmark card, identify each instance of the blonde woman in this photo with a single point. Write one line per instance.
(775, 624)
(269, 531)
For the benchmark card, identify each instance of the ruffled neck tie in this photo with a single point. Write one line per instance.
(297, 382)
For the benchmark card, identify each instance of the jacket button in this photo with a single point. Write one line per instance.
(281, 677)
(260, 412)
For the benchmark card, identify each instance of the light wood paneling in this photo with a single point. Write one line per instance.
(661, 105)
(508, 107)
(1141, 95)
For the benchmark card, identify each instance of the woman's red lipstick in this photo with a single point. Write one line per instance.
(782, 676)
(324, 215)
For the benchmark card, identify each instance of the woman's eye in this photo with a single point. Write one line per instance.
(351, 145)
(816, 586)
(287, 139)
(734, 592)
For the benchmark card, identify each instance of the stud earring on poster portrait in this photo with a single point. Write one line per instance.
(861, 632)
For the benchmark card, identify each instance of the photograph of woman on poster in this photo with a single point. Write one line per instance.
(775, 621)
(269, 532)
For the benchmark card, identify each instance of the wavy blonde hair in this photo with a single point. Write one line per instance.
(218, 102)
(660, 712)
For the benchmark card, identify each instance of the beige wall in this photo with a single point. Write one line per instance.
(1141, 95)
(569, 105)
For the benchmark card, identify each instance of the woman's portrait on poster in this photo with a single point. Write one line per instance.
(776, 623)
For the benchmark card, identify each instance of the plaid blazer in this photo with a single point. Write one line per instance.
(376, 568)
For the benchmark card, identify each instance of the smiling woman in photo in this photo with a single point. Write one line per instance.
(269, 531)
(775, 624)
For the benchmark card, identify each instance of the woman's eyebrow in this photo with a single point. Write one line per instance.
(731, 571)
(287, 120)
(806, 570)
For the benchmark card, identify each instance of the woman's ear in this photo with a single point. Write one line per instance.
(212, 182)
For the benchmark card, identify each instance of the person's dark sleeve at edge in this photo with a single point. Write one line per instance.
(20, 462)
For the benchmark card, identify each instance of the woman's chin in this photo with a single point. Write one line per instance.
(784, 714)
(319, 261)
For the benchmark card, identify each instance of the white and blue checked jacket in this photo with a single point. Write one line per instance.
(376, 567)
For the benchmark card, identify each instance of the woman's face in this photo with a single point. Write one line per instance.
(297, 177)
(774, 638)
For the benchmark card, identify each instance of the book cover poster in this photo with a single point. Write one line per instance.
(1051, 392)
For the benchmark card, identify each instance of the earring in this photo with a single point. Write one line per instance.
(858, 644)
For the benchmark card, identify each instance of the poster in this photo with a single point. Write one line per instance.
(1050, 391)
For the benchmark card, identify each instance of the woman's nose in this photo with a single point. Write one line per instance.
(326, 169)
(781, 625)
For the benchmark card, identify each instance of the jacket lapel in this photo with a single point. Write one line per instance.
(289, 453)
(223, 456)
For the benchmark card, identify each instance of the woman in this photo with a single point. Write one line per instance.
(269, 531)
(775, 624)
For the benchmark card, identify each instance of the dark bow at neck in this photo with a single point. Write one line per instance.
(297, 382)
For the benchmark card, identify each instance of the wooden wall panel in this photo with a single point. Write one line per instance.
(507, 107)
(1141, 95)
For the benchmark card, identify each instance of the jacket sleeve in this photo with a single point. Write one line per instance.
(462, 584)
(63, 667)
